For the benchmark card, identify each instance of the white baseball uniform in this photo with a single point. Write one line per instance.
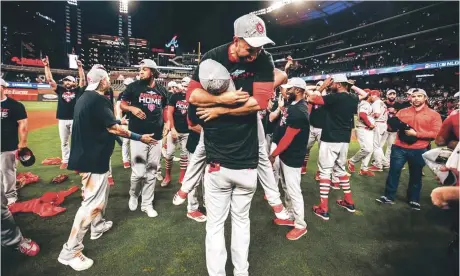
(365, 136)
(379, 107)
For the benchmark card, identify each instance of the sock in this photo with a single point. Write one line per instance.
(345, 184)
(183, 167)
(305, 161)
(168, 168)
(324, 187)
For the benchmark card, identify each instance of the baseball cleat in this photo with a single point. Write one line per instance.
(78, 263)
(126, 165)
(159, 176)
(386, 167)
(284, 222)
(63, 166)
(296, 234)
(350, 166)
(415, 205)
(320, 212)
(176, 159)
(281, 212)
(150, 211)
(28, 247)
(111, 182)
(384, 200)
(165, 182)
(196, 216)
(179, 197)
(366, 173)
(335, 185)
(107, 225)
(374, 168)
(349, 207)
(133, 202)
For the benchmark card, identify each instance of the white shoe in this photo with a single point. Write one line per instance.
(159, 176)
(133, 202)
(176, 159)
(178, 200)
(150, 212)
(284, 214)
(11, 200)
(78, 263)
(107, 226)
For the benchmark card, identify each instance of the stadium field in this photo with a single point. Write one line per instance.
(376, 240)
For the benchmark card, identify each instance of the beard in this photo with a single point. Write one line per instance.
(146, 81)
(291, 97)
(334, 90)
(391, 100)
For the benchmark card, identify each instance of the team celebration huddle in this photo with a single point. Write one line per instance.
(237, 121)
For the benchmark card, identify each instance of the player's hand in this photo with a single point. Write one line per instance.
(372, 127)
(123, 121)
(233, 97)
(79, 64)
(138, 113)
(22, 145)
(148, 139)
(411, 132)
(327, 82)
(174, 133)
(46, 61)
(270, 105)
(272, 159)
(209, 113)
(165, 130)
(280, 101)
(437, 197)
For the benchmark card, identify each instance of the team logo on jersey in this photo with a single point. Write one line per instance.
(151, 99)
(283, 119)
(236, 73)
(5, 112)
(68, 96)
(182, 106)
(151, 107)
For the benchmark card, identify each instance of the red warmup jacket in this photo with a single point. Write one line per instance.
(450, 127)
(425, 122)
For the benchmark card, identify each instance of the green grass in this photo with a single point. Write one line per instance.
(39, 106)
(376, 240)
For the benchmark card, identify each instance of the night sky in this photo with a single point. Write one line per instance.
(211, 23)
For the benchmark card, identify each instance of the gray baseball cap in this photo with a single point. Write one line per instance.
(252, 29)
(419, 91)
(148, 63)
(295, 82)
(70, 78)
(94, 77)
(214, 77)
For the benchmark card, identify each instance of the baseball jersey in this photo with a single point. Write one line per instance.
(341, 108)
(12, 112)
(280, 123)
(296, 117)
(152, 101)
(92, 144)
(66, 101)
(180, 105)
(365, 106)
(379, 107)
(109, 95)
(395, 105)
(317, 115)
(232, 140)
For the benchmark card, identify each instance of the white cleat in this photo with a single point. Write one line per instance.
(133, 202)
(159, 176)
(78, 263)
(107, 225)
(150, 212)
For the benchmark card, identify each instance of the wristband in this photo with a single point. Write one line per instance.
(135, 136)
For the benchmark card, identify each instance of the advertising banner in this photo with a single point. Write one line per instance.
(47, 97)
(22, 94)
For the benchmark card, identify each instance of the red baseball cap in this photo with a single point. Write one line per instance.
(375, 93)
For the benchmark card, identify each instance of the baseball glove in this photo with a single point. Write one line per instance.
(23, 179)
(52, 161)
(60, 178)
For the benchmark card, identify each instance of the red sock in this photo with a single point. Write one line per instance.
(324, 204)
(348, 199)
(181, 177)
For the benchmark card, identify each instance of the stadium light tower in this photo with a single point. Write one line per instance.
(72, 2)
(123, 6)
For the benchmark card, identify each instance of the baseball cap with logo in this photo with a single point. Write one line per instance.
(391, 91)
(214, 77)
(94, 77)
(148, 63)
(374, 93)
(3, 83)
(69, 78)
(295, 82)
(252, 29)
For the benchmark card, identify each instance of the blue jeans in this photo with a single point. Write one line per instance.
(399, 157)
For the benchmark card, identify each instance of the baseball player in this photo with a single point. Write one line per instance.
(341, 106)
(379, 112)
(317, 117)
(177, 118)
(231, 139)
(67, 97)
(121, 114)
(291, 150)
(146, 100)
(265, 172)
(92, 145)
(365, 135)
(14, 136)
(389, 137)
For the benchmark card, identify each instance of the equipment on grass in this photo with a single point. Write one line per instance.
(25, 156)
(59, 178)
(26, 178)
(52, 161)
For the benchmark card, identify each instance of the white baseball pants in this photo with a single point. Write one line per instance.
(91, 212)
(332, 158)
(290, 181)
(366, 143)
(144, 165)
(65, 131)
(192, 198)
(11, 235)
(8, 175)
(171, 145)
(379, 140)
(315, 136)
(228, 191)
(125, 148)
